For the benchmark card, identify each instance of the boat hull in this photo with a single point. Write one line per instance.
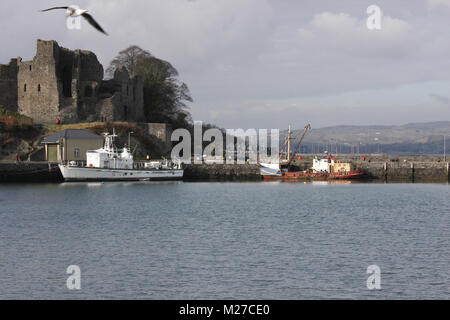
(270, 170)
(292, 176)
(98, 174)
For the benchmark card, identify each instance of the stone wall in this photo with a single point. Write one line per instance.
(128, 96)
(222, 172)
(43, 172)
(137, 92)
(30, 172)
(413, 171)
(162, 131)
(38, 91)
(106, 108)
(8, 85)
(394, 168)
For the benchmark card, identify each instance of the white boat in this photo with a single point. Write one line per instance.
(107, 164)
(270, 169)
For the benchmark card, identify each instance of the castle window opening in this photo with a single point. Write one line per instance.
(24, 88)
(30, 67)
(67, 81)
(88, 91)
(39, 88)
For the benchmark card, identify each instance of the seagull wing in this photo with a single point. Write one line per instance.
(54, 8)
(94, 23)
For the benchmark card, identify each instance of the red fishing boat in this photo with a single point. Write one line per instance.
(327, 168)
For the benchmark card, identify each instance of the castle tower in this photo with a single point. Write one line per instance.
(8, 85)
(37, 90)
(68, 85)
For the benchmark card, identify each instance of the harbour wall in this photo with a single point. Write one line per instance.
(414, 172)
(219, 172)
(30, 172)
(49, 172)
(412, 169)
(395, 169)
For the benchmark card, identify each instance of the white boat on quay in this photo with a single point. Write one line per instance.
(108, 164)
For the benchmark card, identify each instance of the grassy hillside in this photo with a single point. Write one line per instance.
(26, 141)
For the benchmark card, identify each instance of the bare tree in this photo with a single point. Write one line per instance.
(128, 58)
(165, 96)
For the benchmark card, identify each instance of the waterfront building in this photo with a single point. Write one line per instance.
(70, 145)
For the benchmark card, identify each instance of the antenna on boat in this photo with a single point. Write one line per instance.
(288, 158)
(129, 139)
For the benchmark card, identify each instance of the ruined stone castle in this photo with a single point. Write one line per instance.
(65, 85)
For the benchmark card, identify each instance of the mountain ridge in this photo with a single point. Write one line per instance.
(417, 138)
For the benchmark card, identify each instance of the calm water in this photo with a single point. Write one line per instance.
(224, 240)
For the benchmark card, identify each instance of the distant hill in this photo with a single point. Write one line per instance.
(412, 138)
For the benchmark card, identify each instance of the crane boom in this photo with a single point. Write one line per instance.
(307, 127)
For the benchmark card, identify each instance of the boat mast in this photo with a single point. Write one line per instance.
(307, 127)
(288, 156)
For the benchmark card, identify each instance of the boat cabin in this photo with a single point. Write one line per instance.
(323, 165)
(109, 157)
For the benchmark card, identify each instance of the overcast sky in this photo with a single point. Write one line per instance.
(267, 64)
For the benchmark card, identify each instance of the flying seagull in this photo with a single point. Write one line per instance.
(76, 12)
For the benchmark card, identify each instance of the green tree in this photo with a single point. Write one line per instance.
(165, 96)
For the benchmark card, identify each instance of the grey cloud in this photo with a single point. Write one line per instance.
(267, 61)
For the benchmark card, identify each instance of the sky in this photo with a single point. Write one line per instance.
(269, 63)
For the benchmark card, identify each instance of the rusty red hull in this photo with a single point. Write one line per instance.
(300, 175)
